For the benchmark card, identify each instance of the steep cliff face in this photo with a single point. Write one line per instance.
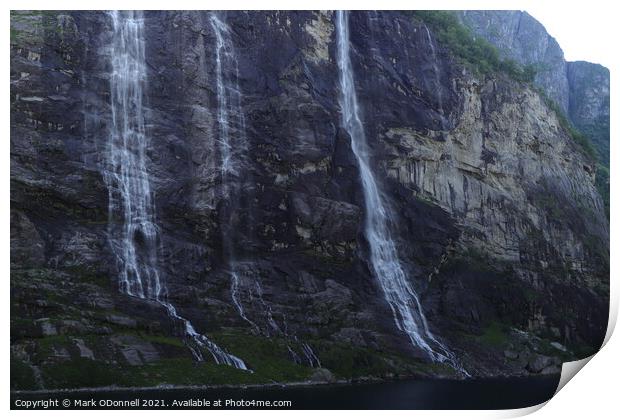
(589, 103)
(580, 89)
(499, 226)
(519, 36)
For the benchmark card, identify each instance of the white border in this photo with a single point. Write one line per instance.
(592, 394)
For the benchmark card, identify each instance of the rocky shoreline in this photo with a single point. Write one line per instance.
(340, 382)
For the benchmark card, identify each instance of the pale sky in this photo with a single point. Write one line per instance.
(585, 29)
(584, 33)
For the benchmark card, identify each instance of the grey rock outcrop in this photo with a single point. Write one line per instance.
(581, 89)
(520, 37)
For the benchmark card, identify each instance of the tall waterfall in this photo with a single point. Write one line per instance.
(135, 238)
(399, 294)
(233, 151)
(231, 125)
(133, 232)
(437, 83)
(230, 117)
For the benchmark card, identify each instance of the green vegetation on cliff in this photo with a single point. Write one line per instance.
(588, 146)
(76, 347)
(483, 59)
(474, 52)
(602, 185)
(579, 138)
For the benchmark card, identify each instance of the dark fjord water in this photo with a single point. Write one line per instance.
(499, 393)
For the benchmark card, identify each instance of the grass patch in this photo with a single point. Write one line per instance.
(350, 362)
(162, 339)
(495, 334)
(22, 375)
(478, 261)
(47, 346)
(267, 357)
(184, 371)
(264, 356)
(30, 27)
(79, 373)
(547, 349)
(85, 373)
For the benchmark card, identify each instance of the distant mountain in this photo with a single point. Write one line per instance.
(581, 89)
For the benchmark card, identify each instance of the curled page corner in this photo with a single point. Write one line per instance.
(570, 369)
(521, 412)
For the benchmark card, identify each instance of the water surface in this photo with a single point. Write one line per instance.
(498, 393)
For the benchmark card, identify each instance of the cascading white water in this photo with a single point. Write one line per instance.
(231, 122)
(220, 356)
(230, 118)
(133, 233)
(135, 237)
(228, 95)
(313, 360)
(271, 323)
(235, 288)
(437, 82)
(399, 294)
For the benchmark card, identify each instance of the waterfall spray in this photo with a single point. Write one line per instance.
(436, 81)
(232, 146)
(132, 230)
(399, 294)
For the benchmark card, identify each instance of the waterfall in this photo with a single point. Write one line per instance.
(436, 81)
(228, 96)
(132, 230)
(399, 294)
(233, 150)
(135, 238)
(230, 118)
(313, 360)
(235, 287)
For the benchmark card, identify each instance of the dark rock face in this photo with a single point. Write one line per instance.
(500, 226)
